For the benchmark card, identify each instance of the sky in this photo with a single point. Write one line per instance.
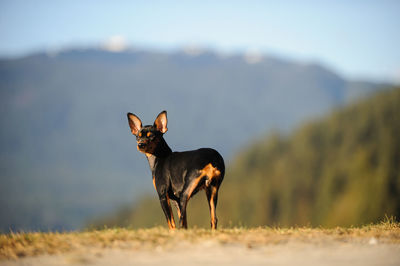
(358, 39)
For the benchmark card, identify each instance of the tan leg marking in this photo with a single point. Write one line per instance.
(154, 182)
(171, 221)
(210, 172)
(212, 208)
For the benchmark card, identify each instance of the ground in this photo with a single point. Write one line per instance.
(368, 245)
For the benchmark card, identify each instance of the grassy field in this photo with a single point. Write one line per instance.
(17, 245)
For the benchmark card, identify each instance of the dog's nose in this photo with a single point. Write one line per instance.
(141, 145)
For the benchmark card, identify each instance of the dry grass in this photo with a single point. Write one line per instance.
(15, 245)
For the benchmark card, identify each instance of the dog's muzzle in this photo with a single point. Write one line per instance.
(141, 145)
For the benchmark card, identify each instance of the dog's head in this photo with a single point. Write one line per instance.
(148, 137)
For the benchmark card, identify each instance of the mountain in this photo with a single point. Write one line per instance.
(65, 147)
(340, 170)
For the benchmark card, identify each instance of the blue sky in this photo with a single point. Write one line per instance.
(358, 39)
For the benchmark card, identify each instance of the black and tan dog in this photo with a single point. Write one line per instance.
(177, 176)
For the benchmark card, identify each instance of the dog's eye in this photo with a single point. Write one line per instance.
(149, 134)
(140, 134)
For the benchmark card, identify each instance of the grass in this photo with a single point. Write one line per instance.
(15, 245)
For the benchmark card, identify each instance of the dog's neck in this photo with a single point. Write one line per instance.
(161, 151)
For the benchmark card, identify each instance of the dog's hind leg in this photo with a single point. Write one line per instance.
(212, 198)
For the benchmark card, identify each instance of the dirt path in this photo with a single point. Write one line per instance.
(210, 252)
(368, 245)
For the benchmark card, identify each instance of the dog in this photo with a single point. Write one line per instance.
(178, 176)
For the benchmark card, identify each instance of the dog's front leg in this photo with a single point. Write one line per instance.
(166, 206)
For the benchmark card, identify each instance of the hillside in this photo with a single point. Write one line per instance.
(342, 169)
(66, 153)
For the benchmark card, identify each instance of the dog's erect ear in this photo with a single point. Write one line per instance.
(134, 123)
(161, 122)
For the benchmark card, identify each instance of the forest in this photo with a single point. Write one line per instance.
(342, 169)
